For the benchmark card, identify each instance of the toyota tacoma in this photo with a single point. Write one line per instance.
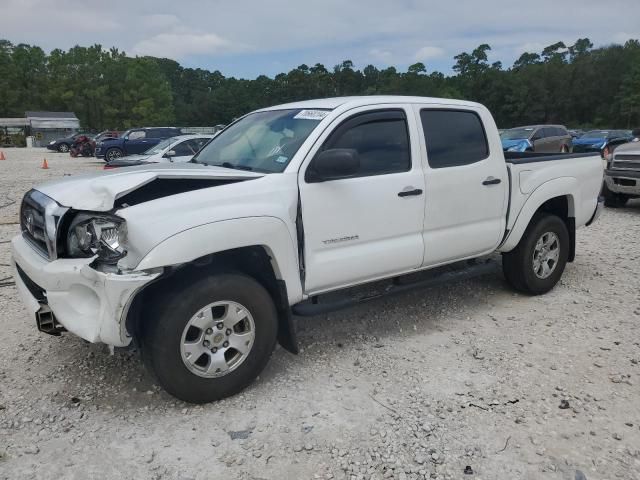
(289, 209)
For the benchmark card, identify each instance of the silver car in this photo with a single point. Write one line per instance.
(537, 138)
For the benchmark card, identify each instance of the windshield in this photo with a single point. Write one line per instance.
(261, 141)
(516, 134)
(160, 146)
(595, 134)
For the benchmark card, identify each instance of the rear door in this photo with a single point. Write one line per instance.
(368, 225)
(466, 184)
(137, 142)
(547, 143)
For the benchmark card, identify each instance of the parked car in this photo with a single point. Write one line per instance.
(63, 145)
(204, 263)
(575, 133)
(622, 177)
(171, 150)
(135, 140)
(601, 141)
(537, 138)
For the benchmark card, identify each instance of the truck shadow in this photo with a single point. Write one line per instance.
(121, 379)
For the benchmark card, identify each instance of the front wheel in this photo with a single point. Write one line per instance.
(612, 199)
(537, 263)
(112, 154)
(209, 340)
(63, 148)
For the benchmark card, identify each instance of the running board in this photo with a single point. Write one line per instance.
(312, 307)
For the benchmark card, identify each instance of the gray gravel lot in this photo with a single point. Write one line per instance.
(421, 385)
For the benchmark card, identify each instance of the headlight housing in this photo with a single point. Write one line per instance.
(97, 234)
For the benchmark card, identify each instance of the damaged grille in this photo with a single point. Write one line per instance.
(40, 217)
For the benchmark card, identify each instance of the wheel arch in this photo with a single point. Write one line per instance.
(226, 246)
(556, 197)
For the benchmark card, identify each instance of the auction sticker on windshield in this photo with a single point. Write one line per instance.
(311, 114)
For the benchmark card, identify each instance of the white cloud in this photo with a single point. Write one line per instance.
(179, 45)
(427, 53)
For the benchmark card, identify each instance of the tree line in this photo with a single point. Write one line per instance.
(576, 85)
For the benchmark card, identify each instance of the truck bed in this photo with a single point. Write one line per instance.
(537, 177)
(530, 157)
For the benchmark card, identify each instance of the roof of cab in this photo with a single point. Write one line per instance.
(352, 102)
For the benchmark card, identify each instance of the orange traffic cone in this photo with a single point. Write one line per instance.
(2, 157)
(45, 165)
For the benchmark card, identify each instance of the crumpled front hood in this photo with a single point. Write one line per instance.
(99, 191)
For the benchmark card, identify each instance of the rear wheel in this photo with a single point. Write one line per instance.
(211, 339)
(537, 263)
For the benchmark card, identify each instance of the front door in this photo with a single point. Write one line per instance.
(466, 185)
(369, 225)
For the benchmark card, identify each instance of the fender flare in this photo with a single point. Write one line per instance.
(558, 187)
(210, 238)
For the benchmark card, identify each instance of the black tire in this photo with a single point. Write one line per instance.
(63, 148)
(613, 200)
(518, 264)
(112, 154)
(162, 334)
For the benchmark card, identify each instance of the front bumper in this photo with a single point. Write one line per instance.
(53, 147)
(91, 304)
(623, 181)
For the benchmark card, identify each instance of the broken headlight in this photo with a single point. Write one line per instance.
(97, 234)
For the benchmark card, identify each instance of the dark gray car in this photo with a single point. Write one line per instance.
(537, 138)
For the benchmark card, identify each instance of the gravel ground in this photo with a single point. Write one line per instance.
(467, 376)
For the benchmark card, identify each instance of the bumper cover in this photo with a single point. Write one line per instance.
(91, 304)
(612, 179)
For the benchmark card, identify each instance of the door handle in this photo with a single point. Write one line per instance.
(407, 193)
(491, 181)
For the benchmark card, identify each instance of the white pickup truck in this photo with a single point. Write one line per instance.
(204, 264)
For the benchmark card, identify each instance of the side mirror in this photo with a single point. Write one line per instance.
(333, 164)
(170, 153)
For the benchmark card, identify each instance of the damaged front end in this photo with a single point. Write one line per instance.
(65, 266)
(71, 295)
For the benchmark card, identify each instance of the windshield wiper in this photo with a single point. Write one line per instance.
(236, 167)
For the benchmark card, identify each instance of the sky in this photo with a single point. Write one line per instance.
(247, 38)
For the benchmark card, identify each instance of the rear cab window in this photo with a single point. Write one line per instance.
(453, 137)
